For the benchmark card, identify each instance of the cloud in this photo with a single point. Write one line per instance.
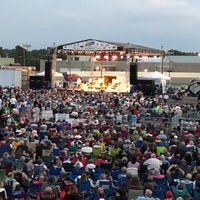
(147, 22)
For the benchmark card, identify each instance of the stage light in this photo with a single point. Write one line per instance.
(114, 57)
(97, 57)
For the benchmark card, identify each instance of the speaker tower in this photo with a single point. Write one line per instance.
(48, 71)
(133, 73)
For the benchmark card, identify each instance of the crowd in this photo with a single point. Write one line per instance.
(104, 151)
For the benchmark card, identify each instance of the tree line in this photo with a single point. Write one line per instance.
(24, 57)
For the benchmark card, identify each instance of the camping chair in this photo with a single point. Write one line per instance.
(115, 174)
(75, 173)
(84, 188)
(96, 174)
(177, 193)
(123, 182)
(47, 160)
(55, 171)
(160, 150)
(132, 170)
(133, 194)
(108, 189)
(96, 151)
(56, 152)
(159, 191)
(34, 189)
(160, 181)
(189, 187)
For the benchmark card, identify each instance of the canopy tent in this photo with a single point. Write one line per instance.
(57, 74)
(159, 79)
(156, 76)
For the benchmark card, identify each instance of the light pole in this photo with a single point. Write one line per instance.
(26, 60)
(162, 59)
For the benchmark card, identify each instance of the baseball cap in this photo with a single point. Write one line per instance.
(169, 194)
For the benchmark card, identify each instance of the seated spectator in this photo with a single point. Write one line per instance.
(147, 196)
(157, 173)
(180, 191)
(135, 183)
(50, 184)
(133, 163)
(149, 184)
(121, 194)
(72, 194)
(103, 178)
(18, 191)
(7, 163)
(48, 194)
(169, 195)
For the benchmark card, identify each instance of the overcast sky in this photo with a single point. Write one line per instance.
(175, 24)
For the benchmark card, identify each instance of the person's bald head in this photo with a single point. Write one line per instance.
(103, 177)
(148, 193)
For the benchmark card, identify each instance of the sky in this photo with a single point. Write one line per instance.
(173, 24)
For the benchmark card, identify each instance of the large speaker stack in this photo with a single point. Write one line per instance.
(48, 71)
(37, 82)
(146, 86)
(133, 73)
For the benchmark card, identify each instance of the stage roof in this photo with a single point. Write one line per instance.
(90, 46)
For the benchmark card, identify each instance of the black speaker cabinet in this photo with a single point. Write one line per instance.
(37, 82)
(48, 71)
(133, 73)
(146, 86)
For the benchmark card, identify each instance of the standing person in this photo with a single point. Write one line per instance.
(37, 112)
(165, 98)
(13, 102)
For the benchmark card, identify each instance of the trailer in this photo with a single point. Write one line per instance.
(10, 77)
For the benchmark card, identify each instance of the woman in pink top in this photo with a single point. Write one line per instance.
(133, 163)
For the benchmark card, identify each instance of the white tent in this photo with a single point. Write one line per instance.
(159, 79)
(156, 76)
(57, 74)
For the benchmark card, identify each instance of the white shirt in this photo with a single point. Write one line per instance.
(13, 101)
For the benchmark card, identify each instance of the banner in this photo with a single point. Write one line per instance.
(61, 116)
(47, 114)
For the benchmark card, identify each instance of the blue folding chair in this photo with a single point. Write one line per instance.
(115, 173)
(84, 188)
(108, 189)
(75, 173)
(160, 181)
(55, 171)
(159, 191)
(96, 174)
(189, 187)
(123, 182)
(34, 189)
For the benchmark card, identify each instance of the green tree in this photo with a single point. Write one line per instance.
(2, 53)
